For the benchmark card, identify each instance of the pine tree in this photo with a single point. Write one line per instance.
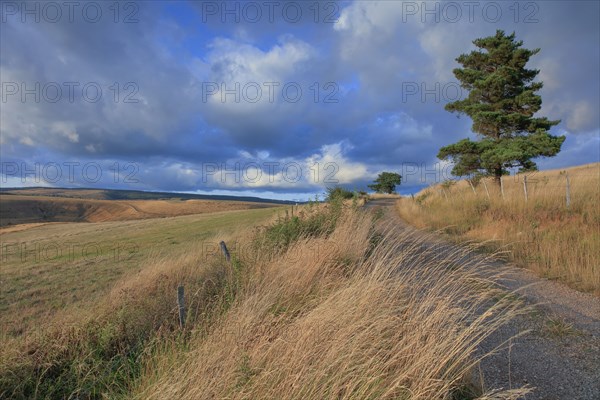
(502, 102)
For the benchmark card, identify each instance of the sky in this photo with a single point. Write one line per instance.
(276, 99)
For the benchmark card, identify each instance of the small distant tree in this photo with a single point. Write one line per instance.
(502, 102)
(386, 182)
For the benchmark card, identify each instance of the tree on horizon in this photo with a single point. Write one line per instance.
(386, 182)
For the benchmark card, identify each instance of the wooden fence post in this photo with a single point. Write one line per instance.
(502, 187)
(181, 306)
(225, 251)
(525, 187)
(486, 189)
(568, 190)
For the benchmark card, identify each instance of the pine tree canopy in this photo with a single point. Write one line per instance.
(502, 102)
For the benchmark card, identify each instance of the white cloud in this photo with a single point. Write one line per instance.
(256, 76)
(27, 141)
(403, 126)
(327, 167)
(235, 61)
(333, 165)
(23, 181)
(364, 18)
(66, 129)
(582, 114)
(549, 72)
(443, 52)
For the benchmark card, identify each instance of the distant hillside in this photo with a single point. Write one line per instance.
(112, 194)
(42, 205)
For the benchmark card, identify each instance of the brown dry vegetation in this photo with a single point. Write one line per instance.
(19, 209)
(317, 306)
(541, 234)
(384, 196)
(335, 324)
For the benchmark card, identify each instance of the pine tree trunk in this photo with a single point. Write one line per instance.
(498, 176)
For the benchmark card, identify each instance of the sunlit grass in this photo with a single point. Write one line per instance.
(542, 233)
(325, 306)
(56, 266)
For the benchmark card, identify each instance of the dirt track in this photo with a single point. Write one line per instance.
(554, 349)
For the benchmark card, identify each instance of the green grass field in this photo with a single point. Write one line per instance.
(57, 268)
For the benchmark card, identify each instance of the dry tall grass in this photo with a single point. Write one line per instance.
(383, 196)
(340, 317)
(541, 233)
(318, 306)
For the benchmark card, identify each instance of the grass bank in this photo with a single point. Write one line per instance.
(538, 232)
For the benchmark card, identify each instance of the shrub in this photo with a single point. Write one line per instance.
(321, 221)
(338, 193)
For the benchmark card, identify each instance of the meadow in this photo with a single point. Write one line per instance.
(327, 303)
(57, 268)
(539, 232)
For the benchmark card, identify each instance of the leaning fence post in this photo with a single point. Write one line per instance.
(224, 250)
(181, 305)
(568, 190)
(486, 189)
(525, 187)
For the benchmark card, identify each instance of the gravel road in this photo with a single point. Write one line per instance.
(554, 349)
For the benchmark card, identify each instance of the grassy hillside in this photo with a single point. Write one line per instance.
(20, 209)
(320, 305)
(114, 194)
(542, 233)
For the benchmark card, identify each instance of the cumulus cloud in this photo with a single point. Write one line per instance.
(328, 166)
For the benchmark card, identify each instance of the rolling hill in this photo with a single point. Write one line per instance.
(43, 205)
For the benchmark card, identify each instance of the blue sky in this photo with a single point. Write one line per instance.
(275, 99)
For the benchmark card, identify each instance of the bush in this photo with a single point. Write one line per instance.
(320, 221)
(338, 193)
